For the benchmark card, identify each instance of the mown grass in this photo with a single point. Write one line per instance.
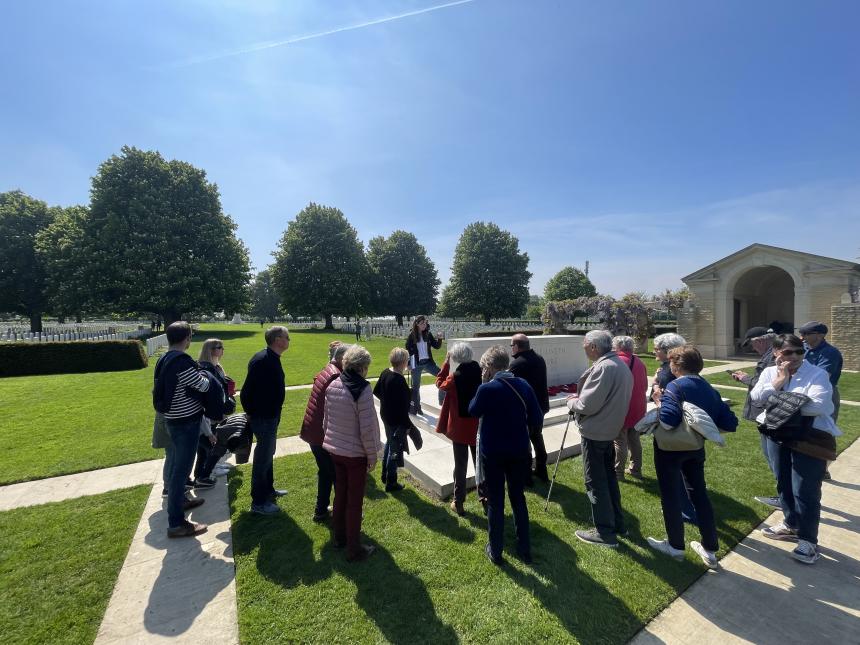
(430, 582)
(67, 423)
(59, 563)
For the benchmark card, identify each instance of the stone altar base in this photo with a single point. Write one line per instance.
(433, 465)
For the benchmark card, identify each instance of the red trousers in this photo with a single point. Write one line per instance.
(350, 478)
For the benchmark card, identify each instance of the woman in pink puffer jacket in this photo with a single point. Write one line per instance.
(352, 439)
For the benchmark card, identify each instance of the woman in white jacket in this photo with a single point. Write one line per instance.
(799, 475)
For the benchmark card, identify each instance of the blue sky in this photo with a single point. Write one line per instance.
(650, 138)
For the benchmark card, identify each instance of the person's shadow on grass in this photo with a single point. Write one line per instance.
(433, 516)
(396, 601)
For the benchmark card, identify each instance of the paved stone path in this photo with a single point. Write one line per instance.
(761, 595)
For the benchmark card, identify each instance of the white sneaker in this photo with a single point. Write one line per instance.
(708, 557)
(663, 546)
(780, 532)
(806, 552)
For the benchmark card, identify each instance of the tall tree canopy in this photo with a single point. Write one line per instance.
(403, 279)
(156, 239)
(489, 276)
(567, 284)
(60, 247)
(23, 277)
(264, 297)
(320, 265)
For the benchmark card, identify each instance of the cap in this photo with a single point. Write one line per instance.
(813, 327)
(755, 332)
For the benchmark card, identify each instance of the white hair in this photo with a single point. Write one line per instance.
(601, 339)
(496, 358)
(623, 343)
(665, 342)
(461, 352)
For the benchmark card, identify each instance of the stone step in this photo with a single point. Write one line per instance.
(433, 465)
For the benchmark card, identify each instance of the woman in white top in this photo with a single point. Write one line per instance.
(799, 475)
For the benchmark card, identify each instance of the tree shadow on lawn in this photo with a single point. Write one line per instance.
(222, 334)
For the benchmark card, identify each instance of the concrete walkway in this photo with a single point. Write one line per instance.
(761, 595)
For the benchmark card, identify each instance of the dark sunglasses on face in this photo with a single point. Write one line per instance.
(218, 347)
(799, 352)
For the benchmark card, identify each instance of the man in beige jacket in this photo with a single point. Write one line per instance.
(600, 406)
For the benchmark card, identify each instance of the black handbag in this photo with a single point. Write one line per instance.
(783, 420)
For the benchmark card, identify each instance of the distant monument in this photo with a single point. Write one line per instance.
(237, 320)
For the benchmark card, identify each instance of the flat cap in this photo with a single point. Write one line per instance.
(755, 332)
(813, 327)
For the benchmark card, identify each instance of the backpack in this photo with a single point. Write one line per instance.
(164, 383)
(215, 399)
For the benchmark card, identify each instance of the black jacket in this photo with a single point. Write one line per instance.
(262, 393)
(394, 398)
(530, 366)
(432, 343)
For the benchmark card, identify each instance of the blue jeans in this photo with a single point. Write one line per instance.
(325, 478)
(184, 434)
(389, 458)
(423, 366)
(798, 482)
(497, 470)
(262, 476)
(670, 465)
(769, 454)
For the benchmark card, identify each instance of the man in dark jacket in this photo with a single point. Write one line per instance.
(761, 340)
(262, 398)
(530, 366)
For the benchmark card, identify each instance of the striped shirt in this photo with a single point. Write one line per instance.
(183, 405)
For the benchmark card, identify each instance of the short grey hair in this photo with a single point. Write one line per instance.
(461, 352)
(338, 351)
(273, 333)
(356, 358)
(496, 358)
(601, 339)
(398, 356)
(665, 342)
(623, 343)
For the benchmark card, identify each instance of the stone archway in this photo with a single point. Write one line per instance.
(761, 296)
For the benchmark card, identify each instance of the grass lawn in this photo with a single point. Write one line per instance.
(59, 563)
(67, 423)
(430, 581)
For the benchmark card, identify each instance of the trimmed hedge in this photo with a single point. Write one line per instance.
(71, 357)
(502, 334)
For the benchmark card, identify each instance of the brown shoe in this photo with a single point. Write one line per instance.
(364, 551)
(192, 502)
(457, 507)
(186, 530)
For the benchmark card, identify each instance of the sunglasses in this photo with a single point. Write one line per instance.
(786, 352)
(218, 347)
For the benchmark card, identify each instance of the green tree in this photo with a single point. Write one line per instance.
(156, 239)
(264, 297)
(320, 265)
(23, 278)
(567, 284)
(489, 276)
(403, 280)
(60, 247)
(535, 307)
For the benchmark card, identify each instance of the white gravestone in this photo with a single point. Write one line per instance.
(564, 356)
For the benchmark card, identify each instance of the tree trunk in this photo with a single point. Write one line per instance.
(328, 323)
(399, 318)
(487, 319)
(78, 318)
(35, 322)
(61, 319)
(347, 320)
(171, 316)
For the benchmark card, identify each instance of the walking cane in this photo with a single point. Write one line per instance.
(557, 460)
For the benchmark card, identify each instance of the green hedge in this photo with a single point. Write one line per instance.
(72, 357)
(490, 334)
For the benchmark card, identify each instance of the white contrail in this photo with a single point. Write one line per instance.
(298, 39)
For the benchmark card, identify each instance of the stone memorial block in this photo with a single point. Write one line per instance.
(237, 320)
(564, 356)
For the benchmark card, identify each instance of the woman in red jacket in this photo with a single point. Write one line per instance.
(628, 438)
(454, 419)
